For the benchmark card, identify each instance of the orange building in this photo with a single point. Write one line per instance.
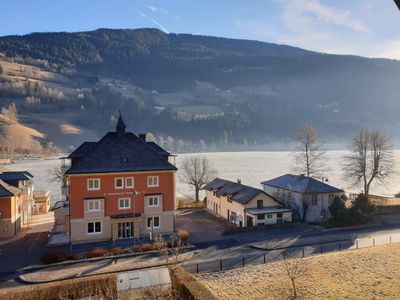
(16, 202)
(119, 187)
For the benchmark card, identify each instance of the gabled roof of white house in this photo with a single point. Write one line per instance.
(301, 184)
(236, 191)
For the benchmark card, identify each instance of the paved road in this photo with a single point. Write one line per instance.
(207, 234)
(253, 245)
(21, 253)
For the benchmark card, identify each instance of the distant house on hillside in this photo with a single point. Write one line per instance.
(308, 197)
(16, 202)
(119, 187)
(244, 205)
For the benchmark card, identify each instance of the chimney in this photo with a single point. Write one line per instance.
(239, 181)
(142, 136)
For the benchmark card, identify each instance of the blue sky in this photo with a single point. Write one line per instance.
(369, 28)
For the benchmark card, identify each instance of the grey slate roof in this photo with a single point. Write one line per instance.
(301, 184)
(15, 175)
(158, 149)
(113, 153)
(7, 190)
(237, 191)
(83, 149)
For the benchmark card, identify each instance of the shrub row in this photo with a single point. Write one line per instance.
(188, 287)
(103, 287)
(55, 257)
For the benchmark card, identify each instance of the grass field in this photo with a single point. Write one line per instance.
(370, 273)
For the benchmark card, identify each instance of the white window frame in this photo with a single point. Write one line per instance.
(153, 198)
(94, 227)
(152, 184)
(124, 199)
(115, 183)
(152, 218)
(93, 201)
(129, 186)
(93, 188)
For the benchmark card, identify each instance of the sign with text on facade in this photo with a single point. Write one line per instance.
(120, 194)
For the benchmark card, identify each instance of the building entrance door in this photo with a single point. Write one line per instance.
(125, 230)
(249, 221)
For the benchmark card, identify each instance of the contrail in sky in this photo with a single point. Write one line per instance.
(154, 21)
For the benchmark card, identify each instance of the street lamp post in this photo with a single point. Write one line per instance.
(134, 193)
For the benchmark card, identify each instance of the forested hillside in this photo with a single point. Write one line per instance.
(194, 91)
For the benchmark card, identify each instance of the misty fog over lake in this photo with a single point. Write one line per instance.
(251, 167)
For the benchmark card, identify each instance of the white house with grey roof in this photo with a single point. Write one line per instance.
(309, 198)
(244, 205)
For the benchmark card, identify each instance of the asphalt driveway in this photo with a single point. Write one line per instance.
(202, 225)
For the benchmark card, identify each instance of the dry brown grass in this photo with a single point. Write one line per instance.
(370, 273)
(189, 203)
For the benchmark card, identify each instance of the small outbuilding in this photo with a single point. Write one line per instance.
(244, 205)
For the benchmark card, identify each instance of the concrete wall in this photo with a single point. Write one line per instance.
(167, 223)
(79, 231)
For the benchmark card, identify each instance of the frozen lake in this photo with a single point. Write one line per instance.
(250, 167)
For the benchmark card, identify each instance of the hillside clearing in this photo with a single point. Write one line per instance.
(370, 273)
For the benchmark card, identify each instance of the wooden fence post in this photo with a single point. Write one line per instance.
(303, 251)
(264, 259)
(243, 261)
(322, 249)
(197, 268)
(390, 239)
(220, 264)
(357, 244)
(373, 242)
(340, 246)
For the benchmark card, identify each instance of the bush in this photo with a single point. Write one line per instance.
(188, 287)
(53, 257)
(359, 213)
(183, 235)
(98, 252)
(146, 247)
(137, 248)
(117, 251)
(77, 256)
(363, 206)
(337, 207)
(93, 287)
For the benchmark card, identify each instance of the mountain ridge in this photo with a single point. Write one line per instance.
(220, 90)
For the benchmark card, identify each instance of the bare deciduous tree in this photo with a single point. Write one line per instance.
(309, 154)
(295, 268)
(57, 175)
(196, 171)
(370, 158)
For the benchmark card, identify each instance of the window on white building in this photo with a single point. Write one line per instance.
(153, 201)
(152, 181)
(261, 217)
(93, 205)
(94, 227)
(124, 203)
(93, 184)
(153, 221)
